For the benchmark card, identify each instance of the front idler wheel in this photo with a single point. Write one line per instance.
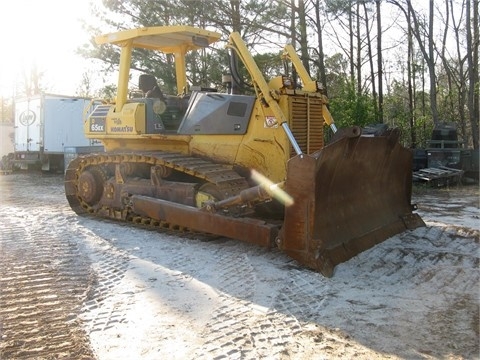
(90, 186)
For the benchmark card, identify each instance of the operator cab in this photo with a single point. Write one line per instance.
(169, 109)
(204, 111)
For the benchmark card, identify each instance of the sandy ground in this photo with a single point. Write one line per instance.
(147, 295)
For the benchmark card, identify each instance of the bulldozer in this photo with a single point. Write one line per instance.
(248, 166)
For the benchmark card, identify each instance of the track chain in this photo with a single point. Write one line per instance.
(223, 176)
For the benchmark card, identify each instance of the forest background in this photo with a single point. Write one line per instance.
(408, 64)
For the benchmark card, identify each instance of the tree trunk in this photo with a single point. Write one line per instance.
(473, 71)
(321, 54)
(350, 28)
(428, 53)
(370, 60)
(236, 20)
(379, 62)
(303, 35)
(410, 77)
(359, 52)
(431, 65)
(293, 32)
(461, 82)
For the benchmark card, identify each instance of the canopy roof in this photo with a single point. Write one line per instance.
(167, 39)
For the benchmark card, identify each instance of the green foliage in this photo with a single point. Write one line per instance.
(397, 114)
(107, 92)
(423, 128)
(349, 109)
(338, 7)
(270, 64)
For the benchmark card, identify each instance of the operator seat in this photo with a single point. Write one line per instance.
(149, 86)
(171, 109)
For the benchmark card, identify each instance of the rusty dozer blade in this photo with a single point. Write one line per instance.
(349, 196)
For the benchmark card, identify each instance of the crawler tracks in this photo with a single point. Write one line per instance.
(226, 181)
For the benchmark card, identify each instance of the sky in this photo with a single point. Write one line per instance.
(45, 33)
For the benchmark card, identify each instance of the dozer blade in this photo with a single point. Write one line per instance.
(349, 196)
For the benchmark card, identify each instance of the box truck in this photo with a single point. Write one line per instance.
(45, 125)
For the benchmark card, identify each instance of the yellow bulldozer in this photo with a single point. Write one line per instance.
(248, 167)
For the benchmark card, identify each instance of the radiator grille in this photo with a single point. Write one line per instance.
(306, 123)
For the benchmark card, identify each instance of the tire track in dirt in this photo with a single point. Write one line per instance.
(409, 270)
(43, 282)
(109, 266)
(240, 328)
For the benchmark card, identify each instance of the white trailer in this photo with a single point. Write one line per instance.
(44, 126)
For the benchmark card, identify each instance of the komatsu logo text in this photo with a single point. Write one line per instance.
(122, 129)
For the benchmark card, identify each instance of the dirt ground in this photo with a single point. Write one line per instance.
(80, 288)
